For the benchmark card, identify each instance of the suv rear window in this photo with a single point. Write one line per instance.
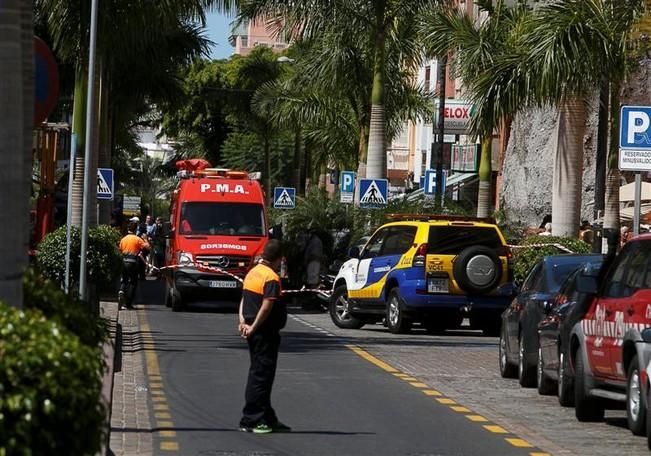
(451, 240)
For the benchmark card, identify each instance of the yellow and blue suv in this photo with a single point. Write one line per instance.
(431, 269)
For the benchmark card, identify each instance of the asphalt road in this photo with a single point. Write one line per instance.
(337, 401)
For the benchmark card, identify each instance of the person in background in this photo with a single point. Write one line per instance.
(312, 259)
(132, 248)
(262, 314)
(585, 232)
(625, 235)
(548, 230)
(159, 244)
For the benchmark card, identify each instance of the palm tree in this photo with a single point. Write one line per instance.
(484, 52)
(377, 23)
(574, 44)
(132, 32)
(15, 197)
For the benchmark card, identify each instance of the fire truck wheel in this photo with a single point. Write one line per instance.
(177, 302)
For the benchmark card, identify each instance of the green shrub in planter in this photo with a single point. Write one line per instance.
(104, 259)
(67, 310)
(525, 257)
(50, 386)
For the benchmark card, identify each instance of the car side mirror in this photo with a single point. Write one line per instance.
(646, 335)
(586, 284)
(353, 252)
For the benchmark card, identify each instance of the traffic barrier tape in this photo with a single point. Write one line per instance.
(558, 246)
(205, 267)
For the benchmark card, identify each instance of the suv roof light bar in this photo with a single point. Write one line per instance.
(435, 217)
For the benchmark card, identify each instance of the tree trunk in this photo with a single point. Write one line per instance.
(13, 206)
(267, 171)
(376, 161)
(505, 136)
(611, 210)
(568, 167)
(79, 130)
(104, 146)
(485, 175)
(297, 158)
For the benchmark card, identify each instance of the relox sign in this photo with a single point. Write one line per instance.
(457, 116)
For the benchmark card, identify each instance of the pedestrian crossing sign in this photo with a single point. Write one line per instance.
(104, 183)
(284, 198)
(373, 193)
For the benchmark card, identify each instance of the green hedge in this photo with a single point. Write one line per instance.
(67, 310)
(104, 259)
(525, 257)
(50, 386)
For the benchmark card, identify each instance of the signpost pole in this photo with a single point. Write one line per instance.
(88, 179)
(71, 172)
(638, 198)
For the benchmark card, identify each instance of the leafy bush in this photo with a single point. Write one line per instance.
(104, 259)
(525, 257)
(50, 386)
(67, 310)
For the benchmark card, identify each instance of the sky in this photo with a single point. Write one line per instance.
(217, 30)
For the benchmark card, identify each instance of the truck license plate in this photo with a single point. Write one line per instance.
(223, 284)
(437, 285)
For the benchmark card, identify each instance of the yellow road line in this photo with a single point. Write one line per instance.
(372, 359)
(496, 429)
(460, 408)
(169, 446)
(516, 442)
(432, 393)
(161, 409)
(519, 443)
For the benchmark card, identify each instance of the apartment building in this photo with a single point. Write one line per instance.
(249, 34)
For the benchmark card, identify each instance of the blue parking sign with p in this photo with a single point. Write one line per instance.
(347, 182)
(635, 128)
(430, 182)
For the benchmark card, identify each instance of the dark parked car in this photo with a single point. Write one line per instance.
(519, 335)
(554, 372)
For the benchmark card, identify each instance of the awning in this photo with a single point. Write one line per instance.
(627, 192)
(459, 178)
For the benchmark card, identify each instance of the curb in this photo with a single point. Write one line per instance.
(110, 311)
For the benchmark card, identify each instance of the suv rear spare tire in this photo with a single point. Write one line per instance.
(477, 269)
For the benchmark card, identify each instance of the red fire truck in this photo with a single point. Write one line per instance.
(218, 227)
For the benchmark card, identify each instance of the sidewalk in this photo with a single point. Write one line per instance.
(131, 428)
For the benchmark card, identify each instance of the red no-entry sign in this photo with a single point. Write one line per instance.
(46, 81)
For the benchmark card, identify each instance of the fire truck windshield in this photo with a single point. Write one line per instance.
(229, 219)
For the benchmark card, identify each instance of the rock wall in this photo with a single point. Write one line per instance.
(527, 188)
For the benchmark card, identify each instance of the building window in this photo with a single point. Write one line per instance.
(428, 72)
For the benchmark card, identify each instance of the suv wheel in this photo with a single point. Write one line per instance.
(507, 370)
(526, 372)
(565, 384)
(477, 269)
(168, 295)
(588, 409)
(545, 384)
(635, 408)
(397, 322)
(340, 310)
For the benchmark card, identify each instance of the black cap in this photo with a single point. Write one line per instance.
(272, 251)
